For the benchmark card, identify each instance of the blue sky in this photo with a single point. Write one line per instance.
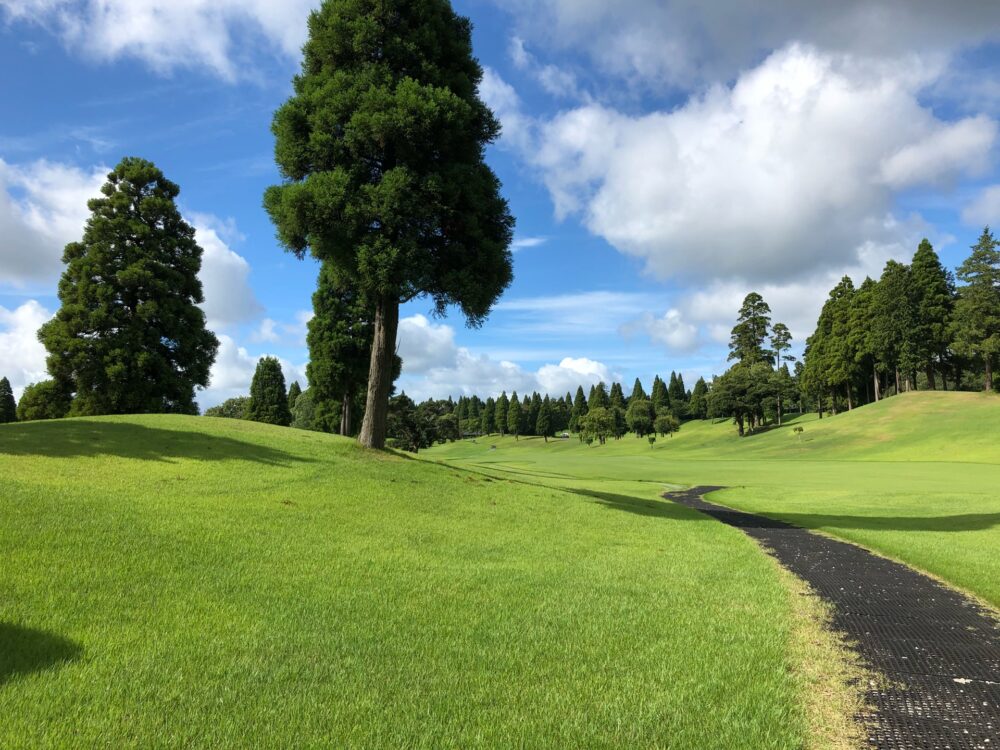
(662, 159)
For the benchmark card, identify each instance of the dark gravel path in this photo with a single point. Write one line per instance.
(939, 651)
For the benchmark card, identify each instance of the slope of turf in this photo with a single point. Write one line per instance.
(913, 477)
(176, 581)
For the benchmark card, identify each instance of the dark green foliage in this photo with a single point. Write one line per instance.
(698, 408)
(678, 396)
(616, 398)
(597, 424)
(8, 407)
(294, 391)
(976, 327)
(268, 399)
(638, 392)
(640, 416)
(500, 414)
(934, 290)
(660, 396)
(666, 424)
(44, 400)
(232, 408)
(543, 423)
(579, 410)
(304, 414)
(447, 428)
(382, 150)
(488, 417)
(514, 416)
(746, 345)
(409, 428)
(340, 345)
(599, 398)
(894, 323)
(129, 336)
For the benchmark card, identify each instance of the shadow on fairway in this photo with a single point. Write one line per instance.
(25, 650)
(640, 506)
(958, 522)
(81, 438)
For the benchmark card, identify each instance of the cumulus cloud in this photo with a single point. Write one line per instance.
(671, 330)
(435, 367)
(43, 206)
(233, 370)
(166, 34)
(225, 275)
(784, 174)
(21, 353)
(686, 43)
(985, 208)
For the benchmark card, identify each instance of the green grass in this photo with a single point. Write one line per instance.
(176, 581)
(914, 477)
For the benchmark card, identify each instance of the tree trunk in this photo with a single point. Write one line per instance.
(345, 415)
(988, 380)
(819, 406)
(779, 411)
(898, 384)
(931, 382)
(850, 403)
(833, 403)
(373, 428)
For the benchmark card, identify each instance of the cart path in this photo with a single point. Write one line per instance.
(939, 650)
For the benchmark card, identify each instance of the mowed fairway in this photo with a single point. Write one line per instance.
(176, 581)
(914, 477)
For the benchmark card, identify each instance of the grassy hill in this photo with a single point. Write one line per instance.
(175, 581)
(914, 477)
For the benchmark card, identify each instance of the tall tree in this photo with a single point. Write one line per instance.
(294, 391)
(934, 290)
(268, 399)
(339, 336)
(579, 410)
(543, 423)
(514, 416)
(129, 336)
(659, 395)
(500, 415)
(781, 342)
(44, 400)
(746, 344)
(640, 416)
(698, 407)
(977, 311)
(382, 150)
(638, 392)
(8, 406)
(488, 417)
(599, 398)
(678, 395)
(616, 398)
(894, 328)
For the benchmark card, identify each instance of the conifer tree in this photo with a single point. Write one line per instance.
(500, 415)
(579, 410)
(514, 416)
(130, 337)
(599, 397)
(382, 148)
(268, 399)
(934, 290)
(488, 417)
(698, 406)
(8, 406)
(660, 395)
(294, 391)
(678, 396)
(616, 398)
(977, 312)
(893, 323)
(543, 423)
(638, 392)
(746, 345)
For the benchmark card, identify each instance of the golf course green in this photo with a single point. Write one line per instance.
(175, 580)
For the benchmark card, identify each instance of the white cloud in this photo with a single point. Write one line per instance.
(225, 275)
(501, 97)
(233, 370)
(686, 43)
(581, 314)
(43, 206)
(522, 243)
(169, 34)
(21, 353)
(435, 367)
(556, 81)
(671, 330)
(785, 174)
(985, 209)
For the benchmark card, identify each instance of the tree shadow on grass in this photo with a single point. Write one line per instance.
(957, 522)
(26, 650)
(82, 438)
(640, 506)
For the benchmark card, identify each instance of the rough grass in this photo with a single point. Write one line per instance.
(914, 477)
(174, 581)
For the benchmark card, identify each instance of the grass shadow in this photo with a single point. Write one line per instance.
(957, 522)
(640, 506)
(80, 438)
(26, 650)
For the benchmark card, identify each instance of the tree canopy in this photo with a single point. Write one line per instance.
(268, 398)
(129, 336)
